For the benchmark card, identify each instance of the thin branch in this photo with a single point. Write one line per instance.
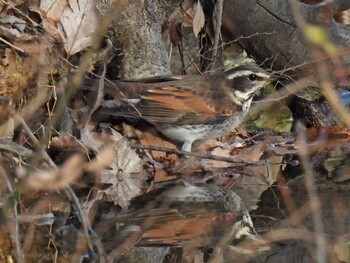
(199, 155)
(68, 191)
(15, 236)
(35, 24)
(11, 45)
(218, 19)
(309, 179)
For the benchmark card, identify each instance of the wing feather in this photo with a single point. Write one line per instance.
(171, 103)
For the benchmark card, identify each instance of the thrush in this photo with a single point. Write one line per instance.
(189, 108)
(185, 215)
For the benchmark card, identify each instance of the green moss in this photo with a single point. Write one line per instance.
(276, 117)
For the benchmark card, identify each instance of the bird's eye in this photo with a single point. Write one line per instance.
(253, 77)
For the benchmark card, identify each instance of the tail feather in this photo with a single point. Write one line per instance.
(124, 89)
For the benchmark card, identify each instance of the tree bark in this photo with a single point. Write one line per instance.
(267, 30)
(137, 33)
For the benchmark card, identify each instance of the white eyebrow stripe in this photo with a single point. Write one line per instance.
(246, 73)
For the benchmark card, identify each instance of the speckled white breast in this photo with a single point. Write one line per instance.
(191, 133)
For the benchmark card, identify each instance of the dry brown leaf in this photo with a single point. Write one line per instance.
(103, 160)
(338, 166)
(151, 137)
(7, 129)
(89, 140)
(53, 9)
(54, 179)
(267, 170)
(199, 257)
(282, 148)
(125, 176)
(51, 27)
(78, 23)
(241, 154)
(6, 249)
(13, 25)
(161, 176)
(343, 17)
(198, 19)
(341, 248)
(187, 20)
(67, 143)
(175, 34)
(249, 180)
(249, 188)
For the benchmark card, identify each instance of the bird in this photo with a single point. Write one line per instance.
(184, 215)
(190, 108)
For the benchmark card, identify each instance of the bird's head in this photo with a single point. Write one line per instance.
(246, 80)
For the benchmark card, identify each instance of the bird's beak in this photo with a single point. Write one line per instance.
(276, 77)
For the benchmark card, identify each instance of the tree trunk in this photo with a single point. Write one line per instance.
(137, 34)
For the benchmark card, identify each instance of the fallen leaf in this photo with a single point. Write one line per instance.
(7, 128)
(338, 167)
(198, 19)
(125, 176)
(13, 24)
(103, 160)
(53, 9)
(341, 248)
(151, 137)
(241, 154)
(343, 17)
(56, 178)
(67, 143)
(187, 20)
(175, 33)
(77, 25)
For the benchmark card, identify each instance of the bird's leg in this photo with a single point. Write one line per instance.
(187, 146)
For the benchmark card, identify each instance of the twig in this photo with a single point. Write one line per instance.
(110, 82)
(194, 65)
(321, 244)
(26, 128)
(314, 199)
(15, 148)
(16, 236)
(20, 12)
(199, 155)
(68, 191)
(335, 101)
(281, 94)
(11, 45)
(218, 19)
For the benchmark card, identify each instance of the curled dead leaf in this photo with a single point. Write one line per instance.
(102, 161)
(198, 19)
(56, 178)
(343, 17)
(187, 20)
(67, 143)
